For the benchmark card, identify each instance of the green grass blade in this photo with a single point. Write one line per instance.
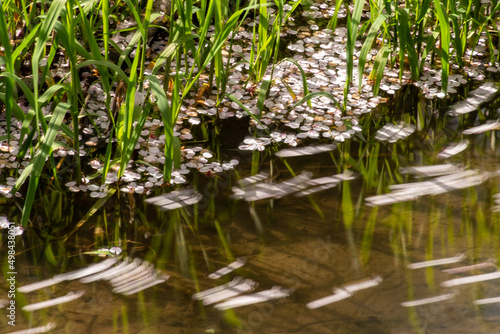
(168, 122)
(302, 74)
(379, 66)
(352, 32)
(39, 160)
(403, 34)
(264, 88)
(367, 45)
(248, 111)
(9, 64)
(332, 24)
(445, 44)
(315, 94)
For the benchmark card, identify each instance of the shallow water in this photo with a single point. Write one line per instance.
(309, 244)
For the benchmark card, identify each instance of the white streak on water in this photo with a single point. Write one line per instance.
(92, 269)
(245, 286)
(364, 284)
(122, 271)
(52, 302)
(143, 287)
(39, 285)
(253, 179)
(430, 300)
(202, 294)
(440, 262)
(262, 191)
(439, 185)
(139, 284)
(483, 94)
(340, 295)
(259, 297)
(105, 274)
(229, 268)
(175, 199)
(471, 279)
(144, 269)
(433, 170)
(453, 149)
(488, 264)
(482, 128)
(487, 301)
(345, 291)
(309, 150)
(36, 330)
(393, 133)
(316, 189)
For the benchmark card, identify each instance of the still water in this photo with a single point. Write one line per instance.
(311, 244)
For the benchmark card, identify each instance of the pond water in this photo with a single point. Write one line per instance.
(312, 244)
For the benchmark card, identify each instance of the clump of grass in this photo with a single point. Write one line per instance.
(437, 28)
